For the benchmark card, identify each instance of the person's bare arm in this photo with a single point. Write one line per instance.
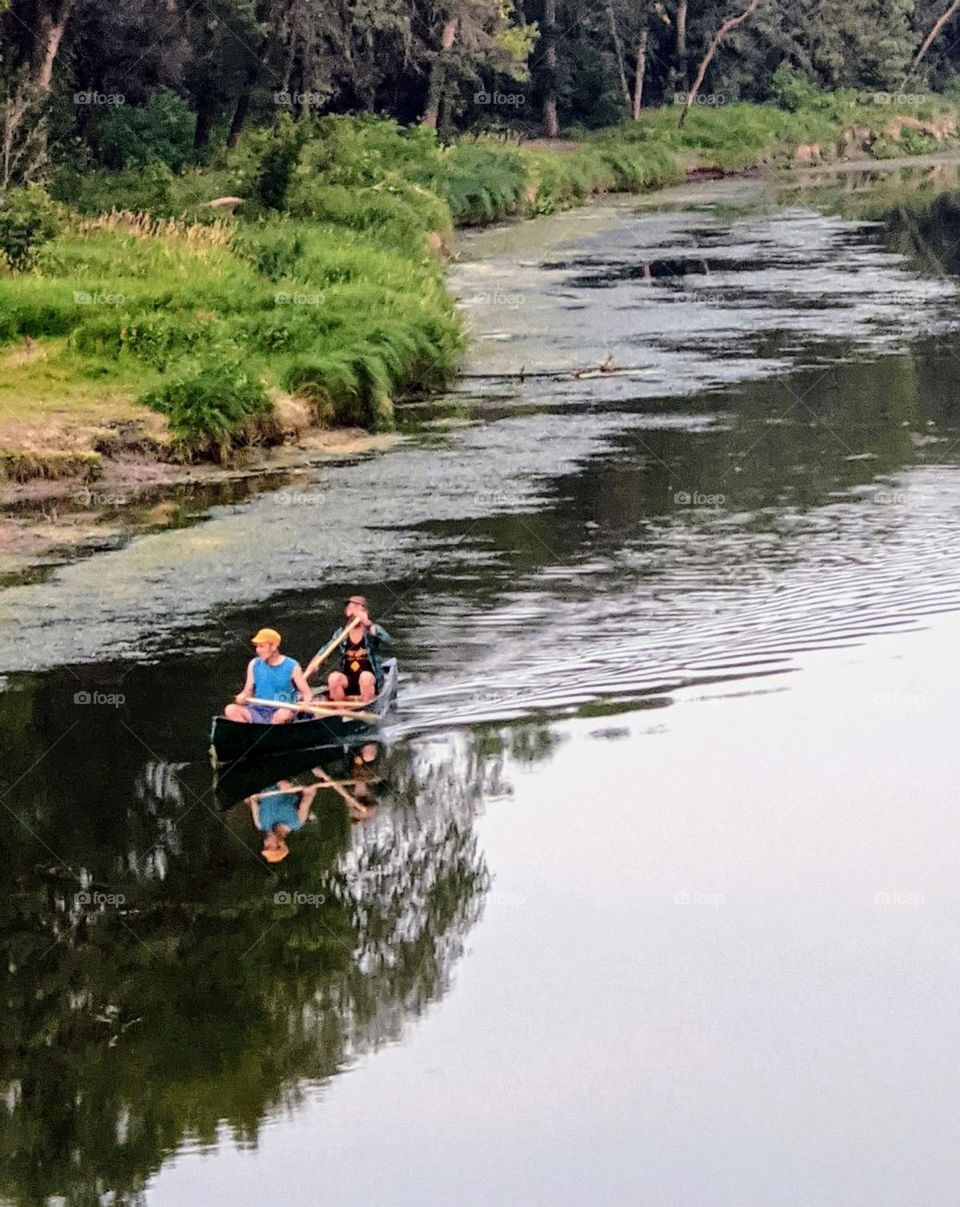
(248, 685)
(306, 800)
(254, 803)
(301, 684)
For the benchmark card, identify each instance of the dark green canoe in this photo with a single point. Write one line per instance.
(231, 741)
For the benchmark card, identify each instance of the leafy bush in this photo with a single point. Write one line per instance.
(155, 338)
(793, 91)
(212, 408)
(272, 248)
(278, 162)
(28, 219)
(362, 151)
(159, 131)
(479, 182)
(148, 189)
(393, 212)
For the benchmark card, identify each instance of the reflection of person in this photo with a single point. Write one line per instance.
(361, 651)
(270, 676)
(362, 772)
(277, 812)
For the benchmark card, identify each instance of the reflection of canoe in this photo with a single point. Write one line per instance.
(234, 740)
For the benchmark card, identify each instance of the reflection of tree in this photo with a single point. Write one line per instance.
(200, 1000)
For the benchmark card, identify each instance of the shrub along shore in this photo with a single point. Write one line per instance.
(312, 291)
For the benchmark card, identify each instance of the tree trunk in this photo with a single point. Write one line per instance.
(929, 39)
(639, 74)
(206, 113)
(551, 127)
(239, 116)
(251, 75)
(438, 74)
(52, 27)
(715, 42)
(619, 52)
(682, 74)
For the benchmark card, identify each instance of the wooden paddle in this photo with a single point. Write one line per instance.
(318, 710)
(304, 787)
(325, 653)
(352, 802)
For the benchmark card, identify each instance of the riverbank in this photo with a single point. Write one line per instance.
(321, 313)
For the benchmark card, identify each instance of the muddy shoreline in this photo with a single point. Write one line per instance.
(46, 520)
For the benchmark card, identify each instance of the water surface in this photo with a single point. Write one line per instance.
(658, 898)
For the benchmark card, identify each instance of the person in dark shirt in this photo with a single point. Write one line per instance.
(361, 652)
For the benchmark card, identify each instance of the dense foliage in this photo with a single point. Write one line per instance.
(204, 208)
(117, 86)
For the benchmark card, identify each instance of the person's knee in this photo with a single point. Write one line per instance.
(236, 712)
(281, 716)
(368, 685)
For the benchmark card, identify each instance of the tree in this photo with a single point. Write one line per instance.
(715, 42)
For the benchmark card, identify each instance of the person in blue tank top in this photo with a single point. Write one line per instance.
(279, 811)
(270, 676)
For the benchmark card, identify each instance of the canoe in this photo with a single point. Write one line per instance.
(231, 741)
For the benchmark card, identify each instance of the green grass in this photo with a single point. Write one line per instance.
(341, 298)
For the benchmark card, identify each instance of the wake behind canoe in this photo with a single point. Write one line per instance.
(231, 741)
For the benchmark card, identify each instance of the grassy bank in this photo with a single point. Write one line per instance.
(323, 298)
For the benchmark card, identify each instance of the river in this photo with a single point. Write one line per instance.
(655, 896)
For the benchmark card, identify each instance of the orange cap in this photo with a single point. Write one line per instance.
(270, 635)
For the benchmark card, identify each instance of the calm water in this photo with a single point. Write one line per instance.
(656, 899)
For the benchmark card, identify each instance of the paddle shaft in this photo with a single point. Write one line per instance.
(327, 782)
(304, 787)
(318, 710)
(328, 650)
